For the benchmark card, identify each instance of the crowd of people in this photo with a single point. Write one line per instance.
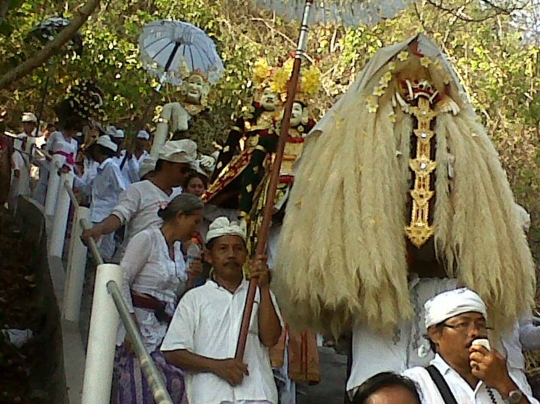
(184, 284)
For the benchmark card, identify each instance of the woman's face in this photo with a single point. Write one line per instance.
(186, 225)
(196, 187)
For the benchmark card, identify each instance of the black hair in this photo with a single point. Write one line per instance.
(195, 174)
(383, 380)
(159, 165)
(106, 151)
(51, 126)
(73, 123)
(432, 344)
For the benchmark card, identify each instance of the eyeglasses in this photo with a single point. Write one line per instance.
(467, 326)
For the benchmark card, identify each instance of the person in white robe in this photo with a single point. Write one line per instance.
(155, 277)
(473, 373)
(124, 159)
(104, 189)
(203, 334)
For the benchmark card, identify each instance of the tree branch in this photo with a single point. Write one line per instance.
(52, 48)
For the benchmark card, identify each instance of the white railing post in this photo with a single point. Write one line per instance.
(54, 182)
(104, 323)
(60, 220)
(76, 268)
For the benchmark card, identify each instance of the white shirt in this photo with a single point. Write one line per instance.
(130, 170)
(58, 144)
(374, 351)
(462, 391)
(20, 185)
(149, 269)
(207, 323)
(138, 206)
(106, 189)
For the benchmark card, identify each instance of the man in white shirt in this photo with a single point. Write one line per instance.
(138, 205)
(27, 141)
(124, 159)
(104, 188)
(203, 334)
(462, 371)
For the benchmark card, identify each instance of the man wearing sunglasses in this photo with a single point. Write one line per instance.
(139, 204)
(463, 371)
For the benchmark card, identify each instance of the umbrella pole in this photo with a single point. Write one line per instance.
(156, 91)
(268, 211)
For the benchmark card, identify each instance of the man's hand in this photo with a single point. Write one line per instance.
(490, 367)
(259, 270)
(94, 232)
(231, 370)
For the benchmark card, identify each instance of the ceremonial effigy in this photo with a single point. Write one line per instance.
(400, 167)
(266, 110)
(176, 116)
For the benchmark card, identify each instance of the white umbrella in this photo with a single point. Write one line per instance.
(170, 50)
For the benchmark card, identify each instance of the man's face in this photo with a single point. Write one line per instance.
(178, 172)
(455, 336)
(194, 89)
(392, 395)
(228, 255)
(269, 100)
(296, 115)
(29, 127)
(141, 143)
(119, 141)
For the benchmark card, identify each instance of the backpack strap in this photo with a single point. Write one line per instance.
(441, 384)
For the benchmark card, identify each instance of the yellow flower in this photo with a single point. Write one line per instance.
(311, 81)
(372, 108)
(385, 79)
(403, 56)
(280, 78)
(392, 117)
(261, 70)
(425, 61)
(378, 91)
(391, 66)
(437, 64)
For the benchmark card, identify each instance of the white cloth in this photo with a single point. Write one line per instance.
(179, 151)
(222, 226)
(141, 158)
(211, 213)
(453, 303)
(20, 185)
(130, 169)
(106, 189)
(138, 206)
(207, 323)
(149, 269)
(461, 390)
(400, 351)
(58, 144)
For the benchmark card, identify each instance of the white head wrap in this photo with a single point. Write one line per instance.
(119, 134)
(111, 131)
(222, 226)
(179, 151)
(106, 141)
(453, 303)
(28, 117)
(143, 135)
(147, 165)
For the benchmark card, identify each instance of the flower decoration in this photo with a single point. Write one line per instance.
(371, 104)
(261, 71)
(437, 64)
(378, 91)
(391, 66)
(385, 79)
(447, 79)
(403, 56)
(392, 117)
(425, 61)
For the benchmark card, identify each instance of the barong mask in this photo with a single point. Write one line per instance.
(399, 161)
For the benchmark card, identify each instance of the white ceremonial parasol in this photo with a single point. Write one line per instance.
(170, 50)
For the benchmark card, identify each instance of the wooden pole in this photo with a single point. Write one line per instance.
(268, 211)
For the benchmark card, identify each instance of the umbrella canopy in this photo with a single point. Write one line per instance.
(171, 50)
(48, 29)
(346, 12)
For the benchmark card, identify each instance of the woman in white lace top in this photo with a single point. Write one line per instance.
(155, 277)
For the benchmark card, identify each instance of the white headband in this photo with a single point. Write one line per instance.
(453, 303)
(223, 227)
